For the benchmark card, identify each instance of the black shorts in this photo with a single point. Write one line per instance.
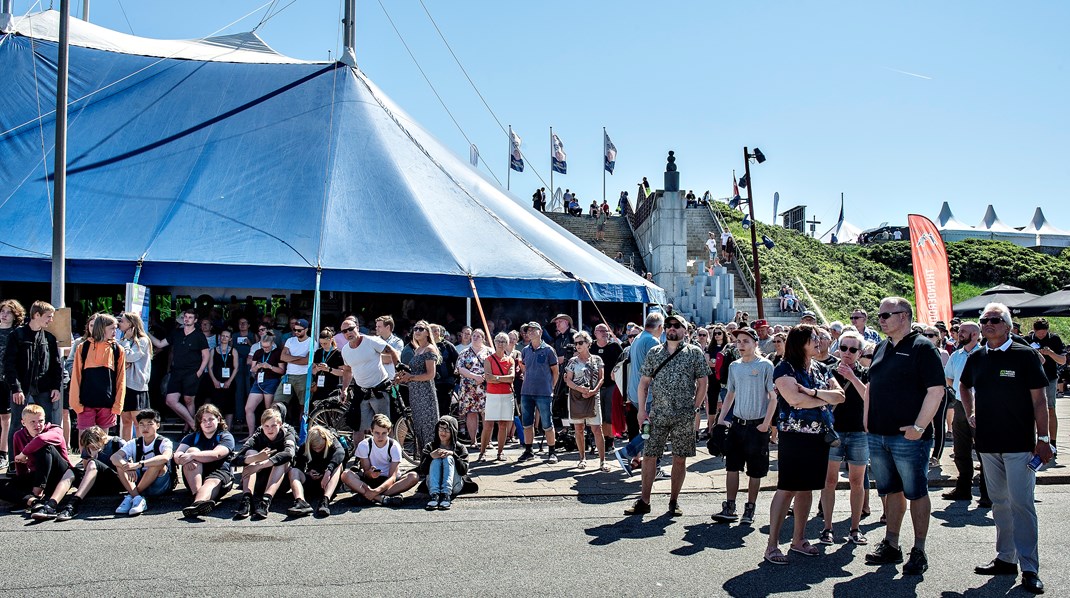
(136, 400)
(746, 446)
(107, 483)
(183, 383)
(5, 398)
(221, 473)
(370, 481)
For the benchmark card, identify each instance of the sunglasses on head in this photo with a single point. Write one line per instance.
(849, 349)
(884, 315)
(984, 321)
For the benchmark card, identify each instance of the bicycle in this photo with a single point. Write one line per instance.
(333, 413)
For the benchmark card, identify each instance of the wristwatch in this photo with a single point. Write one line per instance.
(918, 429)
(1046, 439)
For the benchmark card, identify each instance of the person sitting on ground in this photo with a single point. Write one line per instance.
(94, 473)
(203, 456)
(444, 462)
(272, 447)
(145, 465)
(319, 463)
(377, 478)
(40, 460)
(592, 211)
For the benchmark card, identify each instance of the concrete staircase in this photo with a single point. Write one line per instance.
(772, 311)
(618, 236)
(699, 223)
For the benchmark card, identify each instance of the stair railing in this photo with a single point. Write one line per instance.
(745, 274)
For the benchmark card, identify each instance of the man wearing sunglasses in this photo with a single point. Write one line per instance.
(969, 337)
(363, 356)
(1003, 394)
(906, 389)
(295, 354)
(858, 321)
(1051, 347)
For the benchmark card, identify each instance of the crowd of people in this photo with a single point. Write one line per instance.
(824, 394)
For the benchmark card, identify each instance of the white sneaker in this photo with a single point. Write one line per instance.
(124, 507)
(139, 506)
(659, 474)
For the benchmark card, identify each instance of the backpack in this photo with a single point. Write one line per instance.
(115, 360)
(139, 454)
(389, 443)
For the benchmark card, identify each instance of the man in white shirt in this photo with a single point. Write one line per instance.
(384, 327)
(295, 355)
(379, 456)
(364, 356)
(711, 244)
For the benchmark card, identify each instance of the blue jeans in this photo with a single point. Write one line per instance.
(440, 478)
(854, 448)
(634, 448)
(900, 465)
(528, 403)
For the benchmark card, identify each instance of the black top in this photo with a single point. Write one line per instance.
(1003, 404)
(186, 350)
(209, 443)
(333, 359)
(899, 377)
(564, 346)
(319, 462)
(112, 446)
(849, 413)
(32, 362)
(224, 360)
(1053, 342)
(830, 361)
(272, 358)
(284, 445)
(610, 354)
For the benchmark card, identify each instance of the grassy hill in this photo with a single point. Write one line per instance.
(841, 277)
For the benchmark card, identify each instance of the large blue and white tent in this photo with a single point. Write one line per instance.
(220, 162)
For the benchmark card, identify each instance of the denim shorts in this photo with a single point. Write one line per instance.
(854, 448)
(528, 403)
(163, 483)
(900, 465)
(267, 387)
(1051, 392)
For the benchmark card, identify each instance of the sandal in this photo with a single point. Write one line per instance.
(603, 466)
(775, 556)
(581, 465)
(806, 549)
(482, 457)
(500, 457)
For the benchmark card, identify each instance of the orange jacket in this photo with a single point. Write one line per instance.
(91, 382)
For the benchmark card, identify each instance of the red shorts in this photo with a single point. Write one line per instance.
(96, 416)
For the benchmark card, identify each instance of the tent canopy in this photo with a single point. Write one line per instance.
(220, 160)
(1053, 304)
(1011, 296)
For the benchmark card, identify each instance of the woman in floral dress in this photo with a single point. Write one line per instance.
(473, 397)
(421, 381)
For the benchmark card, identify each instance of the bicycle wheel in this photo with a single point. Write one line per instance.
(332, 416)
(405, 434)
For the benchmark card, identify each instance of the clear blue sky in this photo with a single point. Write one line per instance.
(899, 106)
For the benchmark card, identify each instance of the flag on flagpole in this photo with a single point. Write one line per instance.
(735, 185)
(611, 153)
(557, 155)
(839, 222)
(516, 160)
(473, 155)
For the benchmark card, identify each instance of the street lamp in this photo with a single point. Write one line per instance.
(759, 157)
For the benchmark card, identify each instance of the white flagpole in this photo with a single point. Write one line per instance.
(551, 157)
(604, 148)
(509, 158)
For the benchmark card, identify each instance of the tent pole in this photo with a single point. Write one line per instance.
(552, 158)
(479, 304)
(468, 311)
(59, 206)
(579, 314)
(85, 10)
(313, 332)
(5, 7)
(603, 164)
(509, 159)
(349, 36)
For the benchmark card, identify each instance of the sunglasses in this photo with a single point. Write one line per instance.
(579, 342)
(930, 335)
(419, 329)
(299, 329)
(632, 335)
(867, 356)
(849, 349)
(701, 334)
(778, 342)
(676, 325)
(858, 317)
(984, 321)
(345, 330)
(884, 315)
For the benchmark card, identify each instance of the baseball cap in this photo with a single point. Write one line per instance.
(808, 314)
(760, 324)
(682, 320)
(303, 323)
(747, 331)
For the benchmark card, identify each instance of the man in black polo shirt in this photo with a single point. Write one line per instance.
(1003, 394)
(610, 351)
(189, 358)
(565, 348)
(906, 388)
(1054, 352)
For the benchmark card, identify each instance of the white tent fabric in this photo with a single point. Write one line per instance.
(847, 233)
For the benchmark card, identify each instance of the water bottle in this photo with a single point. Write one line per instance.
(646, 429)
(1034, 463)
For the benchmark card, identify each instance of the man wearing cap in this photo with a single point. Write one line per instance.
(969, 337)
(565, 348)
(808, 317)
(752, 401)
(653, 327)
(858, 320)
(295, 355)
(765, 339)
(675, 373)
(539, 365)
(1051, 347)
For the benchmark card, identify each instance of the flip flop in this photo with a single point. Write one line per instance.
(776, 557)
(806, 549)
(582, 465)
(604, 466)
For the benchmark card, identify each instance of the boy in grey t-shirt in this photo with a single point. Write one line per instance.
(752, 402)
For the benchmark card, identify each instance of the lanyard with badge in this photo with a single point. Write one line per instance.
(321, 380)
(260, 373)
(225, 371)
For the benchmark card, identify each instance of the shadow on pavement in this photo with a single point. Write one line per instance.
(998, 585)
(717, 536)
(800, 575)
(880, 581)
(959, 514)
(629, 527)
